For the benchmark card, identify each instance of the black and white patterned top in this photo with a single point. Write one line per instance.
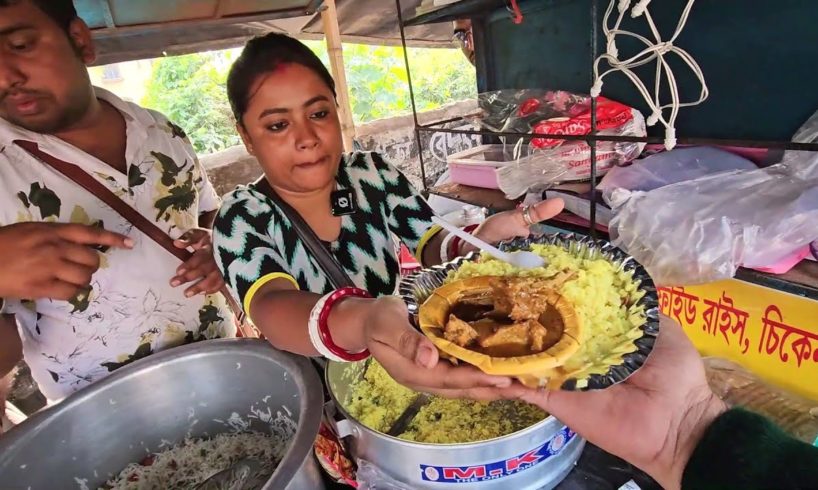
(255, 242)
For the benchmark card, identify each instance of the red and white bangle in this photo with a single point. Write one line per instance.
(456, 243)
(445, 248)
(318, 326)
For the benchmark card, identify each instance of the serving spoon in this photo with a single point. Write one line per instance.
(244, 473)
(520, 258)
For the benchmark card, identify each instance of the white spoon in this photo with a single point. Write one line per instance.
(520, 258)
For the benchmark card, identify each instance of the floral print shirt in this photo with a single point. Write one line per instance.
(130, 310)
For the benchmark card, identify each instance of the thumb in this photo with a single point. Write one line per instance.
(577, 409)
(408, 342)
(540, 398)
(393, 329)
(411, 344)
(426, 354)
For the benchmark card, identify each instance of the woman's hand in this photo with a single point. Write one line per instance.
(654, 419)
(517, 223)
(413, 361)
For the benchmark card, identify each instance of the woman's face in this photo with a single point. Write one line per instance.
(291, 125)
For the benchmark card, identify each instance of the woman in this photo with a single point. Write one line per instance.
(284, 102)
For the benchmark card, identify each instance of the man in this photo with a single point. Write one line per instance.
(464, 36)
(85, 292)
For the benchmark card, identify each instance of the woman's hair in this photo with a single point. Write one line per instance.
(262, 55)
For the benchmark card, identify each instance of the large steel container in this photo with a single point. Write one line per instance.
(197, 390)
(535, 458)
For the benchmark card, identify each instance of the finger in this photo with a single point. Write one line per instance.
(441, 377)
(73, 273)
(60, 290)
(91, 235)
(199, 265)
(80, 254)
(211, 284)
(196, 239)
(543, 210)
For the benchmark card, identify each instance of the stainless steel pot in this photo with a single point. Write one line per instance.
(538, 457)
(197, 390)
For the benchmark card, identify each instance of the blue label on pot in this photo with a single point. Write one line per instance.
(498, 469)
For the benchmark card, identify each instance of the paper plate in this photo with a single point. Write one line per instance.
(616, 361)
(532, 369)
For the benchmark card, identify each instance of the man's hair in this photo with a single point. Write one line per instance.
(61, 11)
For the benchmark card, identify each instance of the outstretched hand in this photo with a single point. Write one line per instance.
(654, 419)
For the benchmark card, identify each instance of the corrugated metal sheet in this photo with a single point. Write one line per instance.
(138, 29)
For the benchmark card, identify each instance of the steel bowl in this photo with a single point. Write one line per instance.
(198, 390)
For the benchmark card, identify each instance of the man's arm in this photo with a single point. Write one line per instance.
(11, 352)
(11, 348)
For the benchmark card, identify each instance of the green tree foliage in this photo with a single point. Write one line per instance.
(190, 89)
(379, 86)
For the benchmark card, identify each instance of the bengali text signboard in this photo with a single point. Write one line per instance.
(772, 333)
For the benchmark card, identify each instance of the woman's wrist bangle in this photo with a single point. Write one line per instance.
(457, 244)
(445, 248)
(319, 326)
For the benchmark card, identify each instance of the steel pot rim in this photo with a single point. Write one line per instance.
(306, 379)
(550, 419)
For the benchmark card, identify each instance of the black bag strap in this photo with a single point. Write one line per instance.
(337, 275)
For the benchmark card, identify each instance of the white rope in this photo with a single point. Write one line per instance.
(654, 51)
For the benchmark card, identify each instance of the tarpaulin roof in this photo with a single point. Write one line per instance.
(139, 29)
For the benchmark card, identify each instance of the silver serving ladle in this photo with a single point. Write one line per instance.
(243, 474)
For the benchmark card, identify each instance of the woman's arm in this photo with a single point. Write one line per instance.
(380, 325)
(281, 313)
(410, 218)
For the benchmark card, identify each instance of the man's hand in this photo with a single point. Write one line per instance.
(654, 419)
(51, 260)
(201, 267)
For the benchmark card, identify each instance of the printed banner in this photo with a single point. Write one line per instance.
(771, 333)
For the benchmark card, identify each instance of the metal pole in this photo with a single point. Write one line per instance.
(411, 94)
(592, 143)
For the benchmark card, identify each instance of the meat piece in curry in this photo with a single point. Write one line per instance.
(460, 332)
(524, 298)
(515, 326)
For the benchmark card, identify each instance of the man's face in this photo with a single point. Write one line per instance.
(463, 36)
(44, 85)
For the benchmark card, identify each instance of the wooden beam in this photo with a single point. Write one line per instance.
(221, 6)
(329, 17)
(202, 23)
(107, 14)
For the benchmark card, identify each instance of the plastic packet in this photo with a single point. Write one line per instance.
(702, 230)
(543, 162)
(370, 477)
(671, 167)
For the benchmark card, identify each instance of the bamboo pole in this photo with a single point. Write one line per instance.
(332, 32)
